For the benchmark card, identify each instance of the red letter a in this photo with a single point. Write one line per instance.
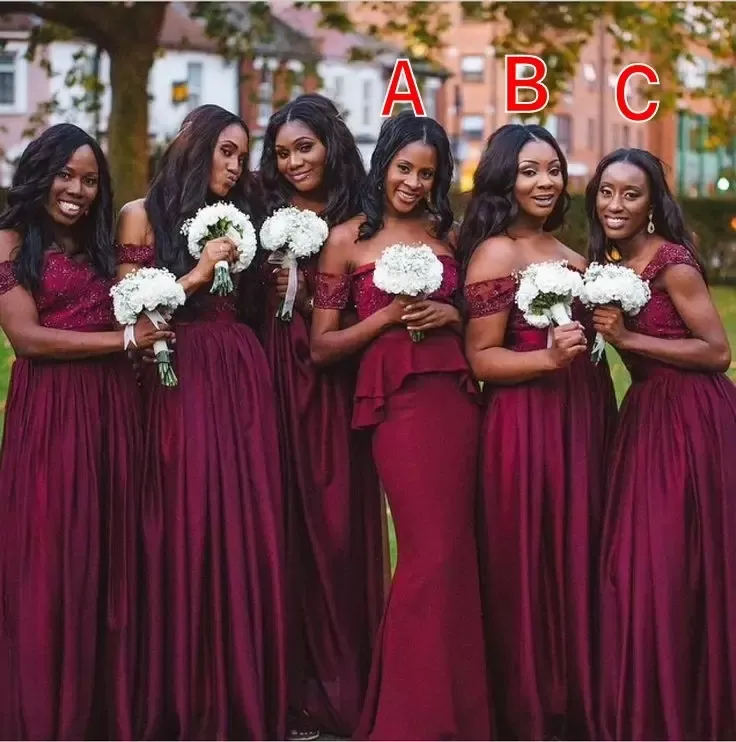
(393, 96)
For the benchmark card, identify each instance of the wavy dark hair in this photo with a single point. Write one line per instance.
(493, 207)
(667, 216)
(396, 133)
(344, 169)
(42, 160)
(180, 185)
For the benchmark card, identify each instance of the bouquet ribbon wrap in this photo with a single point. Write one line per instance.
(286, 259)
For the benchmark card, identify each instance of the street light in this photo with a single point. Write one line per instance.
(723, 184)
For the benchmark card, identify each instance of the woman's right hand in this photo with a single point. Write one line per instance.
(214, 251)
(568, 342)
(146, 333)
(394, 312)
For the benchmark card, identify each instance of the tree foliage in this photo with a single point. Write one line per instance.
(667, 34)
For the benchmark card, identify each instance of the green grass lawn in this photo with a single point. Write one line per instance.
(725, 299)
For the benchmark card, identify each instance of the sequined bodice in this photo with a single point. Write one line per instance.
(659, 318)
(335, 292)
(495, 295)
(71, 296)
(201, 306)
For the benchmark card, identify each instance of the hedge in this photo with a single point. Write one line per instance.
(712, 220)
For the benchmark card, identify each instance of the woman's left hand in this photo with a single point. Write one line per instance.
(609, 321)
(429, 315)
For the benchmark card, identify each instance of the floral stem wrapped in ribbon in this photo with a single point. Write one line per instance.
(410, 271)
(222, 220)
(546, 292)
(292, 234)
(149, 291)
(617, 286)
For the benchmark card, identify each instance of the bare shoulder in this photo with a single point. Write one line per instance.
(133, 226)
(342, 237)
(496, 257)
(10, 242)
(574, 259)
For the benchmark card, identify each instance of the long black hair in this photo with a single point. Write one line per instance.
(344, 171)
(180, 186)
(396, 133)
(42, 160)
(667, 216)
(493, 207)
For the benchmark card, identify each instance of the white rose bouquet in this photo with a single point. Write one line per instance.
(408, 270)
(292, 234)
(149, 291)
(613, 285)
(222, 220)
(545, 294)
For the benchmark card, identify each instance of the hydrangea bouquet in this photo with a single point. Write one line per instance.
(408, 270)
(222, 220)
(546, 292)
(613, 285)
(148, 291)
(290, 235)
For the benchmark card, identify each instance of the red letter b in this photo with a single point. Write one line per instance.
(515, 83)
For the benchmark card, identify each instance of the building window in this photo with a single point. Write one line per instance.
(367, 102)
(8, 75)
(590, 75)
(591, 133)
(265, 95)
(564, 132)
(473, 68)
(473, 128)
(194, 84)
(338, 89)
(625, 136)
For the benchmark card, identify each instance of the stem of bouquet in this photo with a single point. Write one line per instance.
(222, 283)
(560, 315)
(163, 355)
(416, 335)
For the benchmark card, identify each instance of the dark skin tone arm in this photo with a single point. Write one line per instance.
(484, 338)
(29, 339)
(707, 350)
(330, 340)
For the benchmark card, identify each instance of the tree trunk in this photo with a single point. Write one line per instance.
(128, 146)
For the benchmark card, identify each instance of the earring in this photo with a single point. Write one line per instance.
(650, 226)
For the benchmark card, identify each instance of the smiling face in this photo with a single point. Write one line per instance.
(410, 177)
(539, 181)
(74, 188)
(228, 159)
(622, 202)
(300, 156)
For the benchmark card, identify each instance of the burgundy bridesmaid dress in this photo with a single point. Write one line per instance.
(334, 512)
(427, 679)
(668, 568)
(213, 664)
(543, 465)
(69, 491)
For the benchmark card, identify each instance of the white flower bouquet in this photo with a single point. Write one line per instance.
(148, 291)
(408, 270)
(546, 292)
(222, 220)
(613, 285)
(291, 234)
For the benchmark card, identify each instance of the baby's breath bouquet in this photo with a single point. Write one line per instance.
(222, 220)
(148, 291)
(408, 270)
(292, 234)
(613, 285)
(545, 294)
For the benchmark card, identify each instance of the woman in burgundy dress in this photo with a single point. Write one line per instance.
(213, 665)
(549, 416)
(668, 569)
(333, 499)
(420, 403)
(70, 453)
